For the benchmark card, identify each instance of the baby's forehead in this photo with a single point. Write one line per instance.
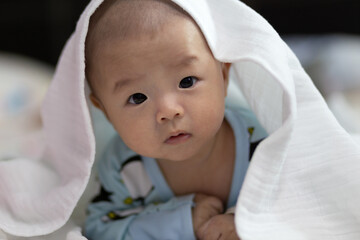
(130, 18)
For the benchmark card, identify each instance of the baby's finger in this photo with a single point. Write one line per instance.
(208, 232)
(210, 235)
(209, 202)
(216, 204)
(231, 235)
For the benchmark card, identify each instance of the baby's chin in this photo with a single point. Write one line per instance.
(175, 156)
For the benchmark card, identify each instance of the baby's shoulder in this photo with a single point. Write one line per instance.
(247, 117)
(116, 154)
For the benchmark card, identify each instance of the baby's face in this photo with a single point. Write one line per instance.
(164, 93)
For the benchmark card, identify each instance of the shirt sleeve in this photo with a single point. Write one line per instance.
(128, 206)
(170, 220)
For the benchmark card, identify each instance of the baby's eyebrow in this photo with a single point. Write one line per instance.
(120, 84)
(123, 82)
(186, 61)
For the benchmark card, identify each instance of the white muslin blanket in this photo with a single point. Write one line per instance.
(303, 181)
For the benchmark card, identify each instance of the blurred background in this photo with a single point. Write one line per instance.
(39, 28)
(324, 34)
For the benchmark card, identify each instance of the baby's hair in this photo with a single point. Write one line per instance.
(126, 19)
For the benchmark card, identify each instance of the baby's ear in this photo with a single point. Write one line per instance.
(96, 102)
(225, 68)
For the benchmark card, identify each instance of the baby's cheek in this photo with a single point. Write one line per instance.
(209, 124)
(137, 142)
(130, 130)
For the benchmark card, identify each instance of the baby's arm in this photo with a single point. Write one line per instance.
(130, 206)
(218, 227)
(170, 220)
(118, 214)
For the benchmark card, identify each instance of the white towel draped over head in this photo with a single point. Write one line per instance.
(303, 181)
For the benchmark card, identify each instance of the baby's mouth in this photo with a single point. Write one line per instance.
(178, 138)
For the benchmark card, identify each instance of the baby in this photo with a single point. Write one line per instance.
(178, 162)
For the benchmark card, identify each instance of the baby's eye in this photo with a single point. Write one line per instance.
(137, 98)
(187, 82)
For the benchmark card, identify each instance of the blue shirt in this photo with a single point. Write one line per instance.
(137, 203)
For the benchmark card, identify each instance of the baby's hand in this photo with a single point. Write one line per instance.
(218, 227)
(205, 208)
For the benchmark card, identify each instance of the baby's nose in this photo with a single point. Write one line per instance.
(169, 109)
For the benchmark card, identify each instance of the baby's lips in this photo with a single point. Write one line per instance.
(178, 137)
